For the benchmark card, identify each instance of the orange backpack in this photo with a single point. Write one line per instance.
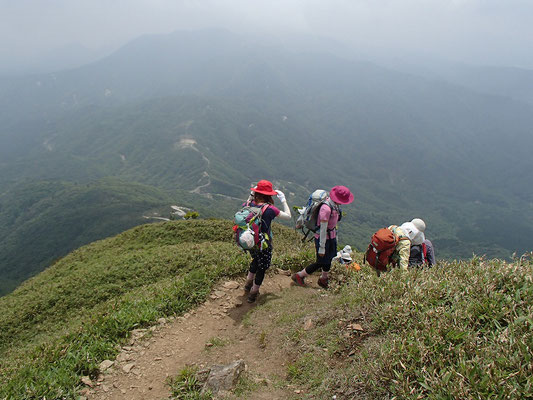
(382, 245)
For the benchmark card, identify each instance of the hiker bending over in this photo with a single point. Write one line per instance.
(423, 253)
(326, 237)
(408, 235)
(391, 246)
(261, 258)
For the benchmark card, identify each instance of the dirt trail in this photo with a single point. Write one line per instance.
(213, 333)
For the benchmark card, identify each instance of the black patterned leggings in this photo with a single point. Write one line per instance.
(260, 263)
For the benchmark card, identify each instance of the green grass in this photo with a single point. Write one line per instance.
(187, 386)
(463, 330)
(216, 342)
(460, 330)
(62, 323)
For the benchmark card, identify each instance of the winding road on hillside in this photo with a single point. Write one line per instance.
(190, 143)
(224, 329)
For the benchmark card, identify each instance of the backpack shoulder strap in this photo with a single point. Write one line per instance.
(264, 208)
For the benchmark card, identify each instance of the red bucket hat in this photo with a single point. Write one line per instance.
(341, 195)
(264, 187)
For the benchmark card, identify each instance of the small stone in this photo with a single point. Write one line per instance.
(124, 357)
(157, 359)
(231, 285)
(104, 365)
(123, 391)
(128, 367)
(238, 303)
(87, 381)
(105, 388)
(162, 321)
(100, 378)
(308, 324)
(223, 377)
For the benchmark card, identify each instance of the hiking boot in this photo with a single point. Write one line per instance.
(248, 286)
(323, 282)
(252, 297)
(298, 280)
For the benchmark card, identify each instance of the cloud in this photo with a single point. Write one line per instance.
(487, 31)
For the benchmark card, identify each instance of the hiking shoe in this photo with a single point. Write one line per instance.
(323, 282)
(298, 280)
(248, 286)
(252, 297)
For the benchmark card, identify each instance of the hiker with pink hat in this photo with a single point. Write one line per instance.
(261, 196)
(326, 238)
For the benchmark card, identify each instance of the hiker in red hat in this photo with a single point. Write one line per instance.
(262, 194)
(326, 238)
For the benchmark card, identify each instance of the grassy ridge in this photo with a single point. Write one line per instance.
(460, 331)
(62, 323)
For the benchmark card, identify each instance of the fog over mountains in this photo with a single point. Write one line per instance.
(192, 118)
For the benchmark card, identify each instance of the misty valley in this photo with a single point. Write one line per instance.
(192, 118)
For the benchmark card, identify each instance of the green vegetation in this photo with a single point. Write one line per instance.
(186, 386)
(406, 146)
(459, 330)
(43, 221)
(462, 330)
(62, 323)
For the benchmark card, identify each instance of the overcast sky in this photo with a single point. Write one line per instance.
(497, 32)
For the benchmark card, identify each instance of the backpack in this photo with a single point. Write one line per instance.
(307, 220)
(247, 227)
(382, 245)
(418, 255)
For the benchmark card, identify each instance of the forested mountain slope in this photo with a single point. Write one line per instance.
(201, 115)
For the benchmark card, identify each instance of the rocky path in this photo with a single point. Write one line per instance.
(214, 333)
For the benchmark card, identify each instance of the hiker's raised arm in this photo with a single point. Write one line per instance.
(286, 212)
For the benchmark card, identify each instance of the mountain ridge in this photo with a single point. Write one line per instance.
(95, 303)
(407, 147)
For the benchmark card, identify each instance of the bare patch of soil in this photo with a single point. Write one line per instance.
(218, 332)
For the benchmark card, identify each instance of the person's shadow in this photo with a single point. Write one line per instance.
(237, 313)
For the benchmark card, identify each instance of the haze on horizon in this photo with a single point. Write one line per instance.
(483, 32)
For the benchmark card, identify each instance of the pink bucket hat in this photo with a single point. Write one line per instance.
(341, 195)
(264, 187)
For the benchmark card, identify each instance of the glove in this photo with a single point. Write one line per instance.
(321, 251)
(281, 196)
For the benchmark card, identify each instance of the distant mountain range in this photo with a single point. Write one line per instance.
(194, 117)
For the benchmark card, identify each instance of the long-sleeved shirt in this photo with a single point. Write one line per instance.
(420, 257)
(403, 248)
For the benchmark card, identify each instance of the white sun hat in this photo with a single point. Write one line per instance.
(420, 224)
(413, 233)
